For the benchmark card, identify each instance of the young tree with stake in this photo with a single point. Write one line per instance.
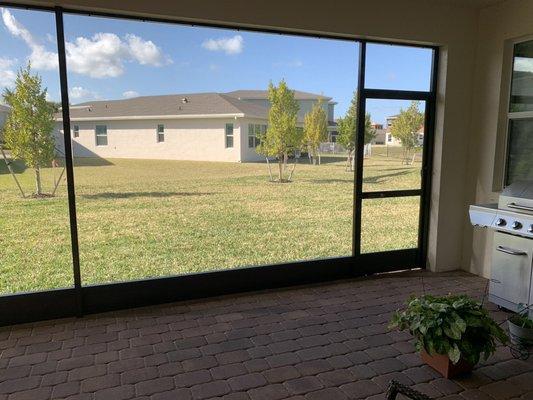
(405, 128)
(347, 127)
(315, 130)
(282, 136)
(28, 128)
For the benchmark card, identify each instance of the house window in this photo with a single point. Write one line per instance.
(389, 137)
(519, 163)
(101, 135)
(229, 136)
(76, 131)
(160, 133)
(253, 131)
(251, 136)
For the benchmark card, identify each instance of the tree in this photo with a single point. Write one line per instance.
(347, 127)
(315, 129)
(405, 128)
(282, 136)
(28, 128)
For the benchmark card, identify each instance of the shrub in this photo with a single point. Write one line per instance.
(457, 326)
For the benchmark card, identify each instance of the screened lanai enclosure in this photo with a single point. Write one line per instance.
(160, 152)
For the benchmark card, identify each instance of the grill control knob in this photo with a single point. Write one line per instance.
(530, 229)
(501, 222)
(516, 225)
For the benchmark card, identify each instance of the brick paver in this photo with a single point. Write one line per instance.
(327, 341)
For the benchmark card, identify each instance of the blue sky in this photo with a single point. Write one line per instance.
(113, 59)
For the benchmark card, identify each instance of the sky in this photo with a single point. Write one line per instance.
(117, 58)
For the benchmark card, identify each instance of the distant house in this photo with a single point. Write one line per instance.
(193, 126)
(384, 135)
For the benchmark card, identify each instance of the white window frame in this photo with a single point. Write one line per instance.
(226, 136)
(506, 116)
(96, 135)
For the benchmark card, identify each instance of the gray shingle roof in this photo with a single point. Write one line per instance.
(144, 106)
(263, 94)
(174, 105)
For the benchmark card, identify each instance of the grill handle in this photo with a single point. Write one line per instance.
(513, 252)
(519, 207)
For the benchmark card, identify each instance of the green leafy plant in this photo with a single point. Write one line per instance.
(521, 318)
(457, 326)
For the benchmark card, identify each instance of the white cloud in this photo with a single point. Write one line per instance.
(7, 75)
(128, 94)
(145, 51)
(40, 58)
(101, 56)
(229, 45)
(214, 67)
(79, 92)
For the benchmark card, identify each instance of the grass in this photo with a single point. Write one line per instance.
(147, 218)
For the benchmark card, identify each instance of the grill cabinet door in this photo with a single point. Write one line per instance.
(511, 268)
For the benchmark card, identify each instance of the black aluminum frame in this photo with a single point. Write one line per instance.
(80, 300)
(412, 257)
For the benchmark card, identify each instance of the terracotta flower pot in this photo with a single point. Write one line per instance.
(442, 364)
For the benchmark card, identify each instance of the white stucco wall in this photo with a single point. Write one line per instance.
(498, 24)
(249, 154)
(185, 139)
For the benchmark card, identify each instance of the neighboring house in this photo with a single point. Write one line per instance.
(4, 112)
(195, 126)
(387, 138)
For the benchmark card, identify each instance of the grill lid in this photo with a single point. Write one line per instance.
(517, 197)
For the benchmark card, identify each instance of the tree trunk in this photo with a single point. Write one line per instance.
(280, 163)
(38, 185)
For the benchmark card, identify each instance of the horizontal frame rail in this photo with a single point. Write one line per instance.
(391, 193)
(388, 94)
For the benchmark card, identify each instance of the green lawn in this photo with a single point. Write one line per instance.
(146, 218)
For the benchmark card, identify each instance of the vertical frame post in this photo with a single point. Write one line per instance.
(68, 157)
(427, 162)
(359, 152)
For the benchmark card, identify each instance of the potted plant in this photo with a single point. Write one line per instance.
(451, 332)
(521, 327)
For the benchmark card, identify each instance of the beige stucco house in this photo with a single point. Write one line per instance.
(194, 126)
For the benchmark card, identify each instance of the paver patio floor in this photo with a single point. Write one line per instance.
(327, 341)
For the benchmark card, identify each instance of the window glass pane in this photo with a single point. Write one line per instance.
(397, 67)
(394, 149)
(229, 141)
(520, 151)
(522, 81)
(193, 205)
(251, 141)
(35, 252)
(251, 129)
(389, 224)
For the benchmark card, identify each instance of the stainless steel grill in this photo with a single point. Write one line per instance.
(512, 254)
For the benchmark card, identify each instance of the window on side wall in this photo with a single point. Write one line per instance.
(76, 131)
(229, 136)
(518, 159)
(160, 133)
(101, 135)
(251, 136)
